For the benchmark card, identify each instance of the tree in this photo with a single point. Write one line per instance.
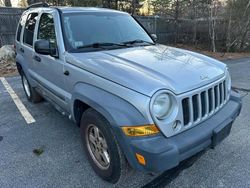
(7, 3)
(22, 3)
(212, 9)
(246, 16)
(34, 1)
(171, 8)
(1, 3)
(237, 16)
(161, 7)
(131, 6)
(178, 11)
(196, 10)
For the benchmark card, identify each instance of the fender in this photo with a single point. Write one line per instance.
(116, 110)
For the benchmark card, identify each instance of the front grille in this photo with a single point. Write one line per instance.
(198, 106)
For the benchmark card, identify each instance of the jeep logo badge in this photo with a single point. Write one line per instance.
(203, 77)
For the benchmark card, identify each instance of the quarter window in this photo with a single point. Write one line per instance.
(29, 28)
(19, 29)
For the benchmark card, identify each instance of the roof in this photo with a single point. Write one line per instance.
(76, 9)
(42, 6)
(86, 9)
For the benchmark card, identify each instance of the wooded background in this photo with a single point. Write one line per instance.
(9, 18)
(217, 25)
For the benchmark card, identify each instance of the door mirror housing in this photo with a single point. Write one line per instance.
(154, 37)
(45, 47)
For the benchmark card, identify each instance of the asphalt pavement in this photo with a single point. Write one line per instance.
(48, 152)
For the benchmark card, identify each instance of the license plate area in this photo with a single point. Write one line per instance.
(220, 133)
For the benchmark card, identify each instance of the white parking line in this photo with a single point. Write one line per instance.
(22, 109)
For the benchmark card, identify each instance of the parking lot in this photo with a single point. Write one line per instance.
(60, 161)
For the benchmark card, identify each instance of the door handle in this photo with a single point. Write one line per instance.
(22, 50)
(66, 72)
(37, 58)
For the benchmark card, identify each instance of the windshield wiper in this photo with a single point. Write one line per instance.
(101, 45)
(137, 41)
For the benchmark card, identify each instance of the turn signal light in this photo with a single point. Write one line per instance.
(144, 130)
(140, 159)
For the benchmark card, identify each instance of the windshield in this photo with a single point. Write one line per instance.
(93, 31)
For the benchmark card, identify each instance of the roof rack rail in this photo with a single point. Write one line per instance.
(36, 5)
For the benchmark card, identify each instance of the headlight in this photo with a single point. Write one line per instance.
(162, 105)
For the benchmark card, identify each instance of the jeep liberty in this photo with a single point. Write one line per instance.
(138, 104)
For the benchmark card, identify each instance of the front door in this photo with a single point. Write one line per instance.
(48, 69)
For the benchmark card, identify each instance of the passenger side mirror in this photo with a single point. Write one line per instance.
(154, 37)
(45, 47)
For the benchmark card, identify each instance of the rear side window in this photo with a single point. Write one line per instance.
(46, 28)
(29, 28)
(20, 27)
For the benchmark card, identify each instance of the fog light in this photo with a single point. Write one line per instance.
(140, 159)
(144, 130)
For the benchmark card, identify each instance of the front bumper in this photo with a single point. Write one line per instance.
(163, 153)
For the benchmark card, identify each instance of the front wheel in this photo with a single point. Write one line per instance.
(101, 147)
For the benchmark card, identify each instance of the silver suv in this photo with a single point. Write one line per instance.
(138, 103)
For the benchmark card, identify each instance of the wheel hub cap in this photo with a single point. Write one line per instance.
(97, 147)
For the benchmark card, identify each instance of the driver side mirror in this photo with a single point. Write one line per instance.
(45, 47)
(154, 37)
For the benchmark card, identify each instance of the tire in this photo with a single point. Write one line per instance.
(31, 94)
(118, 166)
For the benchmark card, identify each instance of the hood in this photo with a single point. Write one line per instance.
(150, 68)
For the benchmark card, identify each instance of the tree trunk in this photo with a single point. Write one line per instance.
(176, 21)
(149, 7)
(7, 3)
(134, 4)
(245, 31)
(195, 32)
(30, 2)
(243, 38)
(212, 24)
(116, 4)
(228, 40)
(195, 23)
(109, 3)
(213, 38)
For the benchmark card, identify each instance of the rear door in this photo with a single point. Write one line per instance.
(48, 70)
(18, 40)
(26, 49)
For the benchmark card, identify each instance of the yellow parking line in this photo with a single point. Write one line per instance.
(22, 109)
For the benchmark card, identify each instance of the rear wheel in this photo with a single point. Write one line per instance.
(30, 92)
(101, 147)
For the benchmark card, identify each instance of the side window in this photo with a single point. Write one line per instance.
(18, 34)
(29, 28)
(20, 27)
(46, 28)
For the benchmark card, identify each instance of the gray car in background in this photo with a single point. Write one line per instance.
(139, 104)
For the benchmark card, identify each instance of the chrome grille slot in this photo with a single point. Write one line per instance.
(210, 99)
(186, 113)
(195, 107)
(216, 97)
(224, 90)
(203, 104)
